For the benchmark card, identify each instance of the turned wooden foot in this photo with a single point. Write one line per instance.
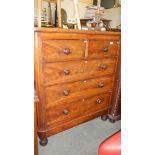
(112, 120)
(43, 142)
(104, 117)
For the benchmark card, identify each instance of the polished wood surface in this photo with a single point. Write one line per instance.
(75, 31)
(63, 50)
(81, 106)
(74, 77)
(70, 91)
(62, 72)
(66, 125)
(115, 110)
(102, 48)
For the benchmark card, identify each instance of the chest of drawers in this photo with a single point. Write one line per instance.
(76, 77)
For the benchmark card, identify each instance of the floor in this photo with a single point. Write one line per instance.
(80, 140)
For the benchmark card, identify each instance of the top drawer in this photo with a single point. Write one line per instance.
(63, 50)
(102, 48)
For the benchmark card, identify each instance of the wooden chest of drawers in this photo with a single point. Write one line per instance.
(75, 77)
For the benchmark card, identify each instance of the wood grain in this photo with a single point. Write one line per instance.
(59, 31)
(56, 71)
(53, 50)
(79, 107)
(55, 94)
(79, 70)
(115, 110)
(97, 47)
(79, 120)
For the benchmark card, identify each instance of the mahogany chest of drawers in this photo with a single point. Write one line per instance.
(77, 78)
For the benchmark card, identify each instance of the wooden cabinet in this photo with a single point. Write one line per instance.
(76, 78)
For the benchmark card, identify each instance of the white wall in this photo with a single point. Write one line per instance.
(113, 14)
(44, 5)
(69, 7)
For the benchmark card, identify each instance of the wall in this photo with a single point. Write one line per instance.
(69, 7)
(44, 5)
(113, 14)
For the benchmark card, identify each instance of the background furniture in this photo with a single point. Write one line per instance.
(76, 75)
(111, 146)
(58, 2)
(115, 109)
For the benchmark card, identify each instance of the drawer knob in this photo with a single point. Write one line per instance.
(66, 92)
(98, 101)
(66, 111)
(101, 84)
(66, 71)
(66, 51)
(105, 49)
(104, 66)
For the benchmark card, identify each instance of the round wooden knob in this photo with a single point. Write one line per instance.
(66, 92)
(66, 111)
(105, 49)
(66, 71)
(104, 66)
(66, 51)
(101, 84)
(98, 101)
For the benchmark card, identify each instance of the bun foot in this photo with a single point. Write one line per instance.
(43, 142)
(104, 117)
(112, 120)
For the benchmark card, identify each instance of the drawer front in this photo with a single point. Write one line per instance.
(62, 50)
(70, 91)
(62, 72)
(101, 48)
(81, 106)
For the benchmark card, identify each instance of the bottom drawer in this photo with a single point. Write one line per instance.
(53, 129)
(82, 106)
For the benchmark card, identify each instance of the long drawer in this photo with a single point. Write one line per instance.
(62, 72)
(70, 91)
(67, 111)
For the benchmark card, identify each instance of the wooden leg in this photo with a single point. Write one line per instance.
(104, 117)
(43, 138)
(43, 142)
(112, 120)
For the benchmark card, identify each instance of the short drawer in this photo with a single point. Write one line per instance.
(102, 48)
(62, 72)
(70, 91)
(67, 111)
(62, 50)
